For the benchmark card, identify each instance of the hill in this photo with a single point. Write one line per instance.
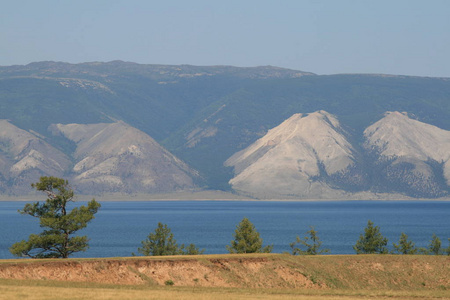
(106, 158)
(204, 115)
(312, 156)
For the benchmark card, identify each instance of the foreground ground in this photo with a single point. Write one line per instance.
(263, 276)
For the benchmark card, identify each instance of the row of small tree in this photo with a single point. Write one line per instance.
(57, 240)
(372, 241)
(247, 240)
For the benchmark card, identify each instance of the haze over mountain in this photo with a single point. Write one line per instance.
(204, 115)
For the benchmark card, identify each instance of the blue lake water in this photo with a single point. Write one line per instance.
(119, 227)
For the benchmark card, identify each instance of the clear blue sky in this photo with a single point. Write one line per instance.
(406, 37)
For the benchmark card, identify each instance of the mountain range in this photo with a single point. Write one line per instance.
(263, 132)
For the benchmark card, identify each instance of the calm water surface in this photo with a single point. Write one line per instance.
(119, 227)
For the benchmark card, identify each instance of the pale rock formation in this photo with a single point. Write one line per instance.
(411, 147)
(24, 157)
(289, 158)
(115, 157)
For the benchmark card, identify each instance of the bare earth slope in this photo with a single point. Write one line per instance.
(24, 157)
(289, 157)
(415, 154)
(115, 157)
(396, 272)
(312, 157)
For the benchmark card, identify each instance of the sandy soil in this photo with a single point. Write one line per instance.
(246, 271)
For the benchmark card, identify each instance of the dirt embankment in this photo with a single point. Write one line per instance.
(268, 271)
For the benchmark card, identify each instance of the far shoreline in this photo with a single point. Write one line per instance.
(214, 195)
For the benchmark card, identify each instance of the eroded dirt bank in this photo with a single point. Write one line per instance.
(268, 271)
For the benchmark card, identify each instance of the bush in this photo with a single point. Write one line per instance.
(312, 247)
(169, 282)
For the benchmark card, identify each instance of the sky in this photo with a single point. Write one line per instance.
(401, 37)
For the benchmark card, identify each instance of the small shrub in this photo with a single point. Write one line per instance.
(312, 244)
(169, 282)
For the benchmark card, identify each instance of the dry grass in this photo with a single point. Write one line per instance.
(39, 290)
(258, 276)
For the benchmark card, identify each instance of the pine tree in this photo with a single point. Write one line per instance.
(247, 239)
(372, 241)
(435, 245)
(191, 249)
(162, 242)
(405, 246)
(56, 240)
(311, 242)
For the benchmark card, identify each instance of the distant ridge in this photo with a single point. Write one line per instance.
(51, 68)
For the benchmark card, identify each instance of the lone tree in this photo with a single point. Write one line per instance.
(372, 241)
(161, 242)
(56, 241)
(247, 240)
(404, 245)
(312, 244)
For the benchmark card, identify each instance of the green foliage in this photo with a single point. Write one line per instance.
(311, 242)
(162, 242)
(435, 246)
(191, 249)
(247, 239)
(405, 246)
(372, 241)
(169, 282)
(447, 250)
(56, 240)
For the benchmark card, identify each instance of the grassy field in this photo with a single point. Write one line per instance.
(264, 276)
(40, 290)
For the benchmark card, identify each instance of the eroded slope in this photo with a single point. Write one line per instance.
(411, 155)
(290, 158)
(115, 157)
(24, 157)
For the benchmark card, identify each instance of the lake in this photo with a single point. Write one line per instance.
(119, 227)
